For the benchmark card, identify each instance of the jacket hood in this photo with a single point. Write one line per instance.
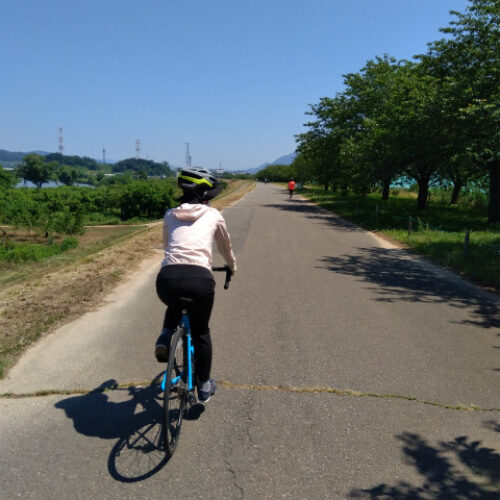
(189, 211)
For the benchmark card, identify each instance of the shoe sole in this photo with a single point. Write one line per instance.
(161, 353)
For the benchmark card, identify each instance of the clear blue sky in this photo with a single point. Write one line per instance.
(233, 78)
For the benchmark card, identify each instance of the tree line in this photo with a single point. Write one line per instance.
(432, 120)
(66, 209)
(70, 170)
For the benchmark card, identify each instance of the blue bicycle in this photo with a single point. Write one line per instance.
(179, 381)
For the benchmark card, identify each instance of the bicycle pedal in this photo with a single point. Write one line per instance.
(192, 399)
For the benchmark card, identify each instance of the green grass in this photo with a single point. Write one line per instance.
(437, 232)
(27, 252)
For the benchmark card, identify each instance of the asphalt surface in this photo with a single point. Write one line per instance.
(317, 306)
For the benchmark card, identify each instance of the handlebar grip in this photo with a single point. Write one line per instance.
(229, 273)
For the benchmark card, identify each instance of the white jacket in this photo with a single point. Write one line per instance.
(188, 234)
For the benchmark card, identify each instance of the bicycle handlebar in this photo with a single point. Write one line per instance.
(229, 273)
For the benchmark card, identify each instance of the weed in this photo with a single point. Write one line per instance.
(117, 273)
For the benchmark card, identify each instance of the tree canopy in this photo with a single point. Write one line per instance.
(149, 167)
(435, 119)
(73, 161)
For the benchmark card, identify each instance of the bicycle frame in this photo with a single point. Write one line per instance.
(185, 323)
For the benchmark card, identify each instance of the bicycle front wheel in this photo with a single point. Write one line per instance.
(175, 396)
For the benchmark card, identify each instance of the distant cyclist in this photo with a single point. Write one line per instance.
(291, 187)
(188, 234)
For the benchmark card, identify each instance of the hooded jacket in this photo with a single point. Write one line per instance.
(188, 234)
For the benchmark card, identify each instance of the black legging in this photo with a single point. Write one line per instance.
(198, 284)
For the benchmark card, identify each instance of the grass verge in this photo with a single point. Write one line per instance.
(37, 297)
(438, 232)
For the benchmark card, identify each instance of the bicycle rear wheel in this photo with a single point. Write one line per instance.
(175, 396)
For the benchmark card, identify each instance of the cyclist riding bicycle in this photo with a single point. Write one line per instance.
(291, 187)
(188, 234)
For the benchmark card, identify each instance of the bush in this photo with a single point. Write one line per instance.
(33, 252)
(68, 244)
(65, 210)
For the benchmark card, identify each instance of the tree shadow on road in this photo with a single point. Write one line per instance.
(136, 423)
(458, 469)
(398, 278)
(315, 213)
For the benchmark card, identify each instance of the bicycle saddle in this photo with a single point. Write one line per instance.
(182, 303)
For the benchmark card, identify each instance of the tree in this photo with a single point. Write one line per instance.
(67, 175)
(468, 64)
(34, 169)
(73, 161)
(373, 149)
(424, 145)
(321, 145)
(139, 164)
(277, 173)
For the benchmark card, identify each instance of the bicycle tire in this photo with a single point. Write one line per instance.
(175, 395)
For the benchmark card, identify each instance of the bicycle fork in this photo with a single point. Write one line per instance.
(190, 355)
(185, 383)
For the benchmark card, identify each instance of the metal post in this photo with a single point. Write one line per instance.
(466, 244)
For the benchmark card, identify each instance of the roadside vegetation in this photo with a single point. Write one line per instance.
(50, 274)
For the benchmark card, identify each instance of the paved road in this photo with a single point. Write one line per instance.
(317, 306)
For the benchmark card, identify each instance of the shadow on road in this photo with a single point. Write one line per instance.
(136, 423)
(398, 278)
(457, 469)
(315, 213)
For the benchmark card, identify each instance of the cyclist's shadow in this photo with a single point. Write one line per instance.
(135, 422)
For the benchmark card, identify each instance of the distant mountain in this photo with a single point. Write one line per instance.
(282, 160)
(285, 160)
(12, 158)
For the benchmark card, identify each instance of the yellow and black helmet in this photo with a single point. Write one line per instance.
(200, 182)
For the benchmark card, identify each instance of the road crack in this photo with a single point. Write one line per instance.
(261, 387)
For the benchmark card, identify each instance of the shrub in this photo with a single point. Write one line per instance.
(29, 252)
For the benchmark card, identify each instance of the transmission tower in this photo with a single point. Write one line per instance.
(61, 142)
(137, 148)
(188, 156)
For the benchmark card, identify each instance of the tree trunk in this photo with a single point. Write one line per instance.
(457, 186)
(494, 208)
(385, 190)
(423, 192)
(327, 185)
